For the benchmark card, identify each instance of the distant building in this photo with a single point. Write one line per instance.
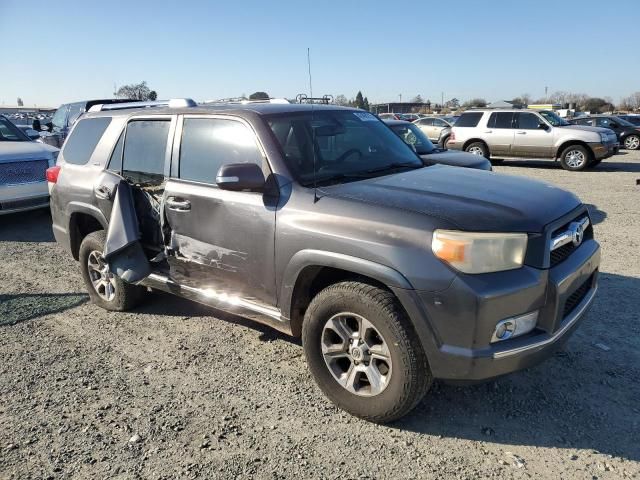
(545, 106)
(9, 109)
(503, 104)
(401, 107)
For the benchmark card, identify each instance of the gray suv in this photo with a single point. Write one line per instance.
(500, 133)
(322, 223)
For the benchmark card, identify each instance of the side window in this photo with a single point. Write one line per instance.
(603, 122)
(439, 123)
(427, 122)
(527, 121)
(80, 145)
(75, 110)
(501, 120)
(145, 147)
(209, 143)
(470, 119)
(115, 161)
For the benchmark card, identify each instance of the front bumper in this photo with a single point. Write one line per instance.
(603, 150)
(23, 197)
(461, 319)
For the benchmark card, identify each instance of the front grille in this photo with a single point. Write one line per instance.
(28, 171)
(576, 297)
(31, 202)
(560, 254)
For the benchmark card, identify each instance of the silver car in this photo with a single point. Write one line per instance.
(436, 128)
(515, 133)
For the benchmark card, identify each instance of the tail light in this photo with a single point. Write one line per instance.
(52, 174)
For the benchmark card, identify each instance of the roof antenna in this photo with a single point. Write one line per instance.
(313, 131)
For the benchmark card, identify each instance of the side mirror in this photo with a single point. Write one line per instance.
(543, 126)
(32, 134)
(240, 176)
(613, 125)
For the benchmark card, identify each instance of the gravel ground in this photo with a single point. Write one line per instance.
(177, 390)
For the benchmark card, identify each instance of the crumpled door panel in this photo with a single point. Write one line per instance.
(123, 251)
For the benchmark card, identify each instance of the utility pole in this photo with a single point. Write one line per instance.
(400, 95)
(546, 89)
(442, 100)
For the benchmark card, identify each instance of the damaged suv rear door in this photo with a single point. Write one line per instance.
(130, 193)
(221, 241)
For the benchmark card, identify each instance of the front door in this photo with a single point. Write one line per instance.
(221, 241)
(530, 140)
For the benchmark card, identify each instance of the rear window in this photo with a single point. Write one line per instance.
(80, 145)
(470, 119)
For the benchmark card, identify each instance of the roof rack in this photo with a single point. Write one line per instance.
(244, 101)
(325, 99)
(171, 103)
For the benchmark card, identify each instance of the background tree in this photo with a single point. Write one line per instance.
(359, 102)
(366, 104)
(596, 105)
(259, 96)
(136, 91)
(452, 104)
(20, 102)
(153, 95)
(341, 100)
(417, 99)
(475, 103)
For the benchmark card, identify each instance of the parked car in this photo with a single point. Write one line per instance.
(628, 134)
(392, 116)
(514, 133)
(66, 115)
(319, 221)
(436, 128)
(416, 138)
(634, 119)
(23, 164)
(410, 117)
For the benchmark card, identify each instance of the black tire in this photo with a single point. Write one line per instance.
(445, 142)
(410, 376)
(575, 158)
(478, 148)
(632, 142)
(126, 295)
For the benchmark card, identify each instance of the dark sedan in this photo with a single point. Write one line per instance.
(628, 134)
(430, 155)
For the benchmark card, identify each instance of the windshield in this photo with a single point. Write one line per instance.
(553, 118)
(10, 133)
(634, 120)
(624, 123)
(412, 135)
(346, 144)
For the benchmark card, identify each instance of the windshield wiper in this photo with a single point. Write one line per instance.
(393, 166)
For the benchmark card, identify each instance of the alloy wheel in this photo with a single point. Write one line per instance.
(476, 151)
(102, 279)
(632, 142)
(575, 158)
(356, 354)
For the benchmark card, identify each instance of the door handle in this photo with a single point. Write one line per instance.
(488, 131)
(178, 205)
(521, 133)
(103, 192)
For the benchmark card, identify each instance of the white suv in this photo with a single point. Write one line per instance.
(541, 134)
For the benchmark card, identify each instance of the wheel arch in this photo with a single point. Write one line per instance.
(83, 220)
(476, 140)
(309, 271)
(568, 143)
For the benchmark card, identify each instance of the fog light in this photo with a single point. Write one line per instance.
(515, 326)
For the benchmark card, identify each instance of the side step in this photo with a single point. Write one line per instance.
(223, 301)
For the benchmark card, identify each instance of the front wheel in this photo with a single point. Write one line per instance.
(632, 142)
(363, 353)
(575, 158)
(105, 289)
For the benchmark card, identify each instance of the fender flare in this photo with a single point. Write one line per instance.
(95, 212)
(319, 258)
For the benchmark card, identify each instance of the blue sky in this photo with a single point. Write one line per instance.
(63, 50)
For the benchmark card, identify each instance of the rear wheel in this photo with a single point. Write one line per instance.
(105, 289)
(363, 353)
(478, 148)
(445, 142)
(632, 142)
(575, 158)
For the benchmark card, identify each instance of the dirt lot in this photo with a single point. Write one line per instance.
(179, 390)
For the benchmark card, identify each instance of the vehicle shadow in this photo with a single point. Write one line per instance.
(161, 303)
(17, 308)
(31, 226)
(583, 397)
(597, 215)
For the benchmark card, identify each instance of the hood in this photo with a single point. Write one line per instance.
(457, 159)
(586, 128)
(466, 198)
(12, 151)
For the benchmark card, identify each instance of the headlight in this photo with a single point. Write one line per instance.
(472, 252)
